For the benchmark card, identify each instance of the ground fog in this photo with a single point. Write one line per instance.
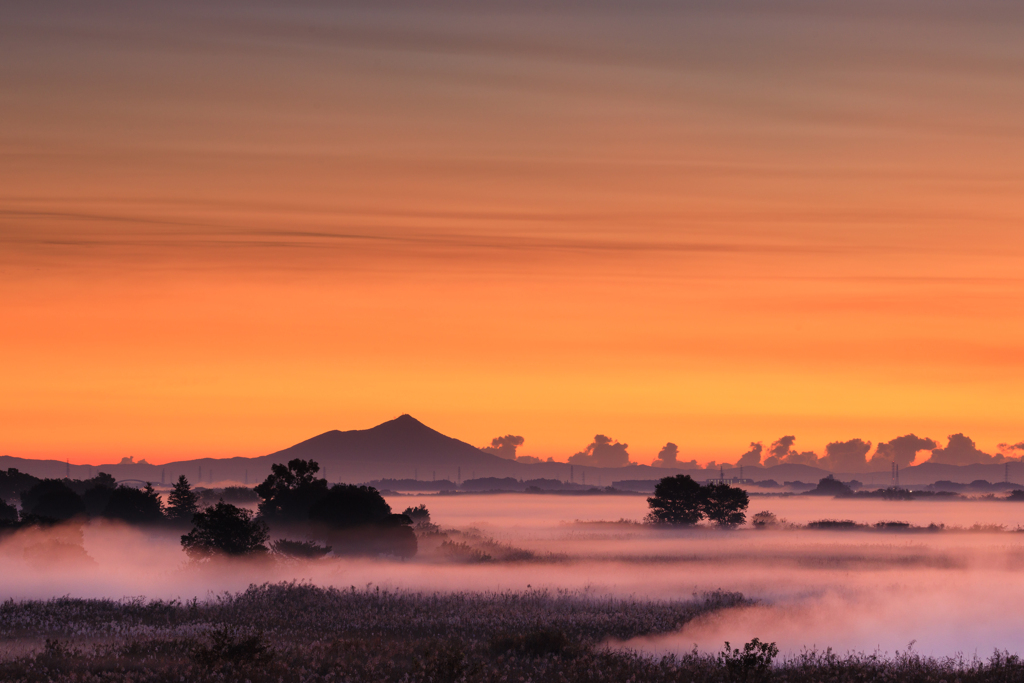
(956, 590)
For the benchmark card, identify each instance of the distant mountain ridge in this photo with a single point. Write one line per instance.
(405, 448)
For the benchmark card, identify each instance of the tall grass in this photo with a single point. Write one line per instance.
(297, 632)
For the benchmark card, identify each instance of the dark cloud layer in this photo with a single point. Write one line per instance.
(782, 452)
(902, 450)
(668, 456)
(846, 456)
(504, 446)
(961, 451)
(751, 457)
(603, 452)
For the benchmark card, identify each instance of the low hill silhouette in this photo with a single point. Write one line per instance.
(405, 448)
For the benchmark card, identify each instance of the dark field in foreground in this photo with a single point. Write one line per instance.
(294, 632)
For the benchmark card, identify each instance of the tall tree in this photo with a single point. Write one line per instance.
(725, 505)
(677, 500)
(682, 501)
(291, 490)
(182, 503)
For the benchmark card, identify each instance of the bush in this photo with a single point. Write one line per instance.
(764, 519)
(418, 514)
(753, 664)
(304, 550)
(463, 552)
(228, 648)
(843, 524)
(225, 529)
(536, 643)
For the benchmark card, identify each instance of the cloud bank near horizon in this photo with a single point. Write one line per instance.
(852, 455)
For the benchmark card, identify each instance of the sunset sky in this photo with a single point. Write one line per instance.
(228, 227)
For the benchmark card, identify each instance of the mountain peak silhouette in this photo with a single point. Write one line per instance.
(401, 448)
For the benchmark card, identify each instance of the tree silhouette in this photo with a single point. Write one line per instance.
(682, 501)
(13, 482)
(830, 486)
(348, 505)
(357, 519)
(418, 514)
(227, 530)
(677, 500)
(304, 550)
(8, 513)
(290, 491)
(724, 504)
(96, 499)
(134, 506)
(51, 500)
(182, 503)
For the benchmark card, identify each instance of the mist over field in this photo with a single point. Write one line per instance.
(848, 590)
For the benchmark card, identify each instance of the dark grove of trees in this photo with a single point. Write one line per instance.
(225, 529)
(351, 519)
(681, 501)
(345, 518)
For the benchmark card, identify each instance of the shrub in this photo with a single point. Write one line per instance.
(833, 524)
(418, 514)
(463, 552)
(228, 648)
(764, 519)
(305, 550)
(535, 643)
(753, 664)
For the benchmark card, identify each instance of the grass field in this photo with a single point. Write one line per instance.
(297, 632)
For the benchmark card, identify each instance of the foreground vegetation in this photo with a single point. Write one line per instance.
(294, 632)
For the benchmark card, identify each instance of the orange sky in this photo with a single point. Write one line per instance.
(224, 229)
